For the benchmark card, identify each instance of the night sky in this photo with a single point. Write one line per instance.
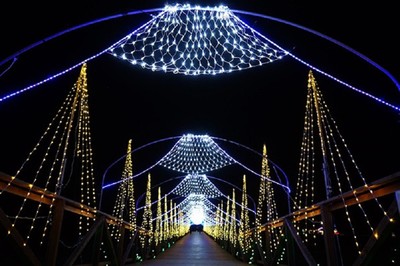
(263, 105)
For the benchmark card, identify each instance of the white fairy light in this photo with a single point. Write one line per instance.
(212, 40)
(197, 184)
(196, 154)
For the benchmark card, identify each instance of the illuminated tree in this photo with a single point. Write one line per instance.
(147, 238)
(125, 200)
(244, 228)
(158, 233)
(232, 230)
(165, 222)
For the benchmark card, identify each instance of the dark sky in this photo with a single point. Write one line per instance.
(264, 105)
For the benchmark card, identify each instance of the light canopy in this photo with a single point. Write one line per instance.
(197, 184)
(195, 40)
(196, 154)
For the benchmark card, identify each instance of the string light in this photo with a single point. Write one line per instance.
(338, 160)
(244, 227)
(233, 231)
(73, 114)
(248, 35)
(125, 199)
(158, 233)
(267, 196)
(197, 184)
(261, 198)
(166, 234)
(196, 41)
(146, 239)
(196, 154)
(193, 202)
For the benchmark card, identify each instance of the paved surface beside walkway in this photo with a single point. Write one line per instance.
(195, 249)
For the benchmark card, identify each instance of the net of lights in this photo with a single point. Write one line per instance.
(199, 36)
(196, 154)
(196, 206)
(196, 41)
(197, 184)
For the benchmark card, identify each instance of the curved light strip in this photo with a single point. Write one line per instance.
(256, 152)
(122, 157)
(140, 198)
(365, 58)
(196, 154)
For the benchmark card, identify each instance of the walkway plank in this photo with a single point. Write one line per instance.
(195, 249)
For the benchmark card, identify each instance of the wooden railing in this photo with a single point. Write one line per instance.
(382, 187)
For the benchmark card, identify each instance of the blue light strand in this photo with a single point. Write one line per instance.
(123, 157)
(68, 69)
(169, 159)
(131, 177)
(182, 177)
(286, 187)
(15, 55)
(239, 204)
(238, 188)
(387, 73)
(9, 67)
(156, 186)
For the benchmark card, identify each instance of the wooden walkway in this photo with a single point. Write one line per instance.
(195, 249)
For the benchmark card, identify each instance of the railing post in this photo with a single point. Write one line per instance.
(291, 258)
(54, 239)
(121, 243)
(329, 237)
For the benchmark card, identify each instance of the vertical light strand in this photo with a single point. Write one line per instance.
(261, 200)
(77, 99)
(62, 113)
(84, 150)
(171, 219)
(244, 227)
(125, 199)
(221, 221)
(305, 188)
(131, 190)
(226, 223)
(335, 144)
(176, 234)
(272, 212)
(158, 230)
(233, 231)
(147, 224)
(165, 220)
(215, 231)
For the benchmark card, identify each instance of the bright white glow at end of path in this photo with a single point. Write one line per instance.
(197, 215)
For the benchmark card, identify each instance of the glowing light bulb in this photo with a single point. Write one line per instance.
(197, 215)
